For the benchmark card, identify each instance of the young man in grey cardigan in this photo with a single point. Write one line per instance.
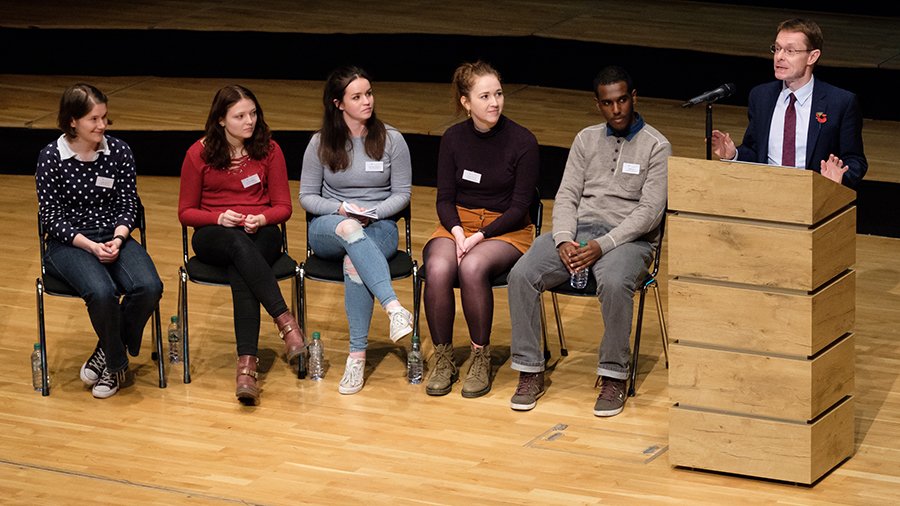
(612, 197)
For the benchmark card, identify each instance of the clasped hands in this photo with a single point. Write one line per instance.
(107, 252)
(576, 257)
(250, 222)
(465, 244)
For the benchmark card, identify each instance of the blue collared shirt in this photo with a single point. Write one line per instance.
(635, 127)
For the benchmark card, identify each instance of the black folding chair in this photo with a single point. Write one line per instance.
(591, 291)
(536, 213)
(402, 265)
(196, 271)
(52, 285)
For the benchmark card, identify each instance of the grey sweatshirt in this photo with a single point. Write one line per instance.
(616, 182)
(381, 184)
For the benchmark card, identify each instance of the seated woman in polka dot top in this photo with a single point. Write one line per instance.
(87, 196)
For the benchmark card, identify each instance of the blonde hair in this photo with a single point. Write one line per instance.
(464, 77)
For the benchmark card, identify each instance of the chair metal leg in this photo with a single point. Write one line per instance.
(300, 294)
(544, 329)
(637, 343)
(42, 338)
(417, 298)
(183, 318)
(559, 327)
(158, 338)
(296, 311)
(662, 323)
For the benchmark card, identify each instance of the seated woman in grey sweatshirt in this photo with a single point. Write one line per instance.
(356, 172)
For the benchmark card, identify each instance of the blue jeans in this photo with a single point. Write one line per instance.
(369, 254)
(119, 325)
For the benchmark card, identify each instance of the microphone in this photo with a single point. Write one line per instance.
(726, 90)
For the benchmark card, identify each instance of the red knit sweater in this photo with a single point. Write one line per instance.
(207, 192)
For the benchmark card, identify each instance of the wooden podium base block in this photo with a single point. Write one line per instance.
(778, 255)
(799, 452)
(796, 388)
(764, 320)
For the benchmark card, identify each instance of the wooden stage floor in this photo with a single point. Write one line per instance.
(391, 443)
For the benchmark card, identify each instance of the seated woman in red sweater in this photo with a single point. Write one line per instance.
(235, 193)
(487, 169)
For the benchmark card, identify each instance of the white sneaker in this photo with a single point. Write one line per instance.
(108, 384)
(354, 376)
(401, 323)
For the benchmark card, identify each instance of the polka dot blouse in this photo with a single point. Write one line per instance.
(74, 195)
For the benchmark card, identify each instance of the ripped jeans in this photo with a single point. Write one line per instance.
(365, 252)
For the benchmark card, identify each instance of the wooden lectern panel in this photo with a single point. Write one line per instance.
(761, 385)
(763, 254)
(763, 447)
(784, 322)
(753, 191)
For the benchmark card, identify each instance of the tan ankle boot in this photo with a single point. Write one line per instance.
(247, 392)
(292, 335)
(444, 373)
(478, 380)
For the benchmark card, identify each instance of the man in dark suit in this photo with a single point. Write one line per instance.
(799, 121)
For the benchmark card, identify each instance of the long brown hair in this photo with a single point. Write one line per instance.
(334, 135)
(216, 151)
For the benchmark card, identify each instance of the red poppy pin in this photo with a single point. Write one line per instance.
(821, 117)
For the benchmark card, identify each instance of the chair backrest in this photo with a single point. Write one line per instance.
(405, 214)
(662, 235)
(536, 212)
(140, 224)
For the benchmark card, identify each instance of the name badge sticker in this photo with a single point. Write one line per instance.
(472, 176)
(374, 166)
(631, 168)
(250, 181)
(105, 182)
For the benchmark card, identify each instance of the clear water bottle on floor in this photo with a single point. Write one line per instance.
(316, 358)
(414, 369)
(579, 279)
(36, 372)
(174, 333)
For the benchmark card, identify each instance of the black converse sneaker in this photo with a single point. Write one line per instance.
(108, 384)
(93, 368)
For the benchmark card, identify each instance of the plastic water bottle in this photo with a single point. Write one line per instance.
(36, 372)
(579, 279)
(174, 333)
(316, 358)
(414, 370)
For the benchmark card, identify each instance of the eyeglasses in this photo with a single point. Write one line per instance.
(790, 52)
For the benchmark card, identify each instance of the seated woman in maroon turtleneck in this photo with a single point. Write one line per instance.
(487, 169)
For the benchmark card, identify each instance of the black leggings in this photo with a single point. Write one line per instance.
(249, 259)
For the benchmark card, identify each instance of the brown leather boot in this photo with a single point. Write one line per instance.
(247, 392)
(292, 335)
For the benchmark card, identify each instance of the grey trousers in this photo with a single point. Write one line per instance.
(618, 274)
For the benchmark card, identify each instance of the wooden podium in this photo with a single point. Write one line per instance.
(761, 307)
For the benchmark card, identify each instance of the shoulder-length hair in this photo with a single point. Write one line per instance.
(76, 102)
(334, 136)
(216, 151)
